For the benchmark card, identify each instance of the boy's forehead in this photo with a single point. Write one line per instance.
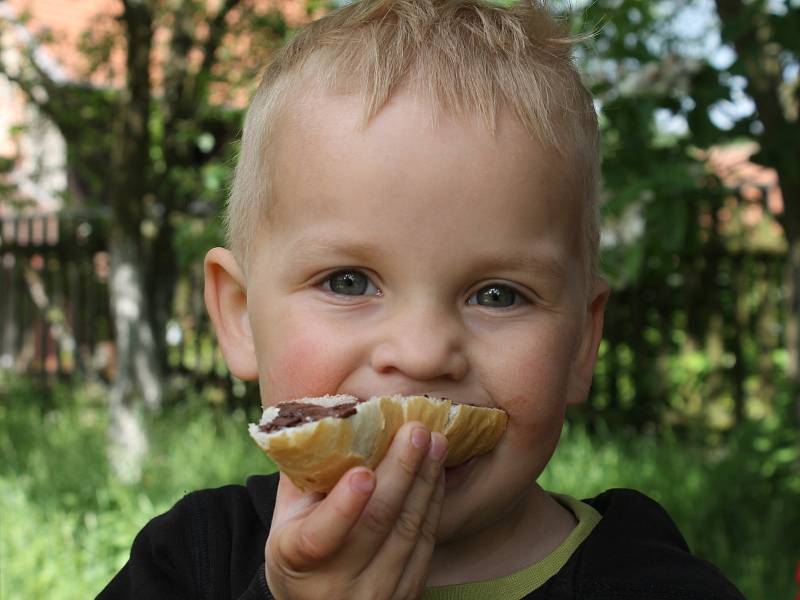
(313, 110)
(331, 127)
(323, 156)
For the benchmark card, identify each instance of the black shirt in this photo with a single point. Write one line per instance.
(210, 545)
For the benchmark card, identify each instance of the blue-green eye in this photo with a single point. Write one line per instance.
(349, 283)
(495, 296)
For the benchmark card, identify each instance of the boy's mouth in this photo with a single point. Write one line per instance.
(455, 476)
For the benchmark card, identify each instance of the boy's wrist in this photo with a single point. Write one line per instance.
(258, 588)
(263, 586)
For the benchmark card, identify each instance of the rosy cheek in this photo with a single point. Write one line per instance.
(534, 425)
(535, 389)
(302, 366)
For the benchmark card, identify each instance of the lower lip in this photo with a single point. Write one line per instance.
(456, 476)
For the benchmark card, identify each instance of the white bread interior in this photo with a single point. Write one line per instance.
(315, 455)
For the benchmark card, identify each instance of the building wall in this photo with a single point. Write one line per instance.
(40, 149)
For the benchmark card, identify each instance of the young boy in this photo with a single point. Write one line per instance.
(415, 211)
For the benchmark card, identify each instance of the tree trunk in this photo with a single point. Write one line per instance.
(162, 277)
(744, 26)
(792, 285)
(137, 384)
(790, 220)
(782, 156)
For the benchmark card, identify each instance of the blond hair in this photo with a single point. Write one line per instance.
(467, 57)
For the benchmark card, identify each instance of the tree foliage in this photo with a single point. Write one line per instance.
(702, 324)
(151, 149)
(702, 328)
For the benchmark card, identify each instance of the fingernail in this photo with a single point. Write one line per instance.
(420, 437)
(438, 447)
(362, 482)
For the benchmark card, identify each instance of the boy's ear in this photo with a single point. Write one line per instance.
(591, 335)
(226, 302)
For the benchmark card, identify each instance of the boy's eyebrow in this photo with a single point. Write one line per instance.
(540, 263)
(298, 250)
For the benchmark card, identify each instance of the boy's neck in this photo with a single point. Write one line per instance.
(530, 532)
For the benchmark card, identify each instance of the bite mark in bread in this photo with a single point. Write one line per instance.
(317, 448)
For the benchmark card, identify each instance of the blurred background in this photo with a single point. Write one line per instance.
(118, 132)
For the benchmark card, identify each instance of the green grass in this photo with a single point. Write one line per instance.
(728, 511)
(66, 525)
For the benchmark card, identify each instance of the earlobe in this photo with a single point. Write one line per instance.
(226, 302)
(591, 336)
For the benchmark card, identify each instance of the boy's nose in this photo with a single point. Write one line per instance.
(421, 345)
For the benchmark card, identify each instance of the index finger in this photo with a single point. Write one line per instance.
(396, 475)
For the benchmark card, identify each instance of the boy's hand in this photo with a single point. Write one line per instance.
(371, 537)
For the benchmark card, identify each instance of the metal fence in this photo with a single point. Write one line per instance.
(54, 303)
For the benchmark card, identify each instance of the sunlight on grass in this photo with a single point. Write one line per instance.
(66, 526)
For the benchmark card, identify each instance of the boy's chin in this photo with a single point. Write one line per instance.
(461, 514)
(469, 507)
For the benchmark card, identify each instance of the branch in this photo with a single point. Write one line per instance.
(176, 67)
(182, 88)
(138, 20)
(59, 327)
(27, 88)
(739, 26)
(762, 83)
(48, 76)
(216, 29)
(130, 8)
(130, 153)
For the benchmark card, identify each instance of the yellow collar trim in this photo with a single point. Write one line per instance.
(520, 584)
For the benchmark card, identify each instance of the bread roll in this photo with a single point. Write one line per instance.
(315, 449)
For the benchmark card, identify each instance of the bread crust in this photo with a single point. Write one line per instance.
(315, 455)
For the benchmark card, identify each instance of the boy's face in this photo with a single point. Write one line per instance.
(405, 259)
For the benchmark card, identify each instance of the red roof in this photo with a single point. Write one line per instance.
(68, 22)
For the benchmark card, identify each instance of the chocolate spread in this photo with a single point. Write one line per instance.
(292, 414)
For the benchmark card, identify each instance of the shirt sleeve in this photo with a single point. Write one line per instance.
(161, 561)
(209, 546)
